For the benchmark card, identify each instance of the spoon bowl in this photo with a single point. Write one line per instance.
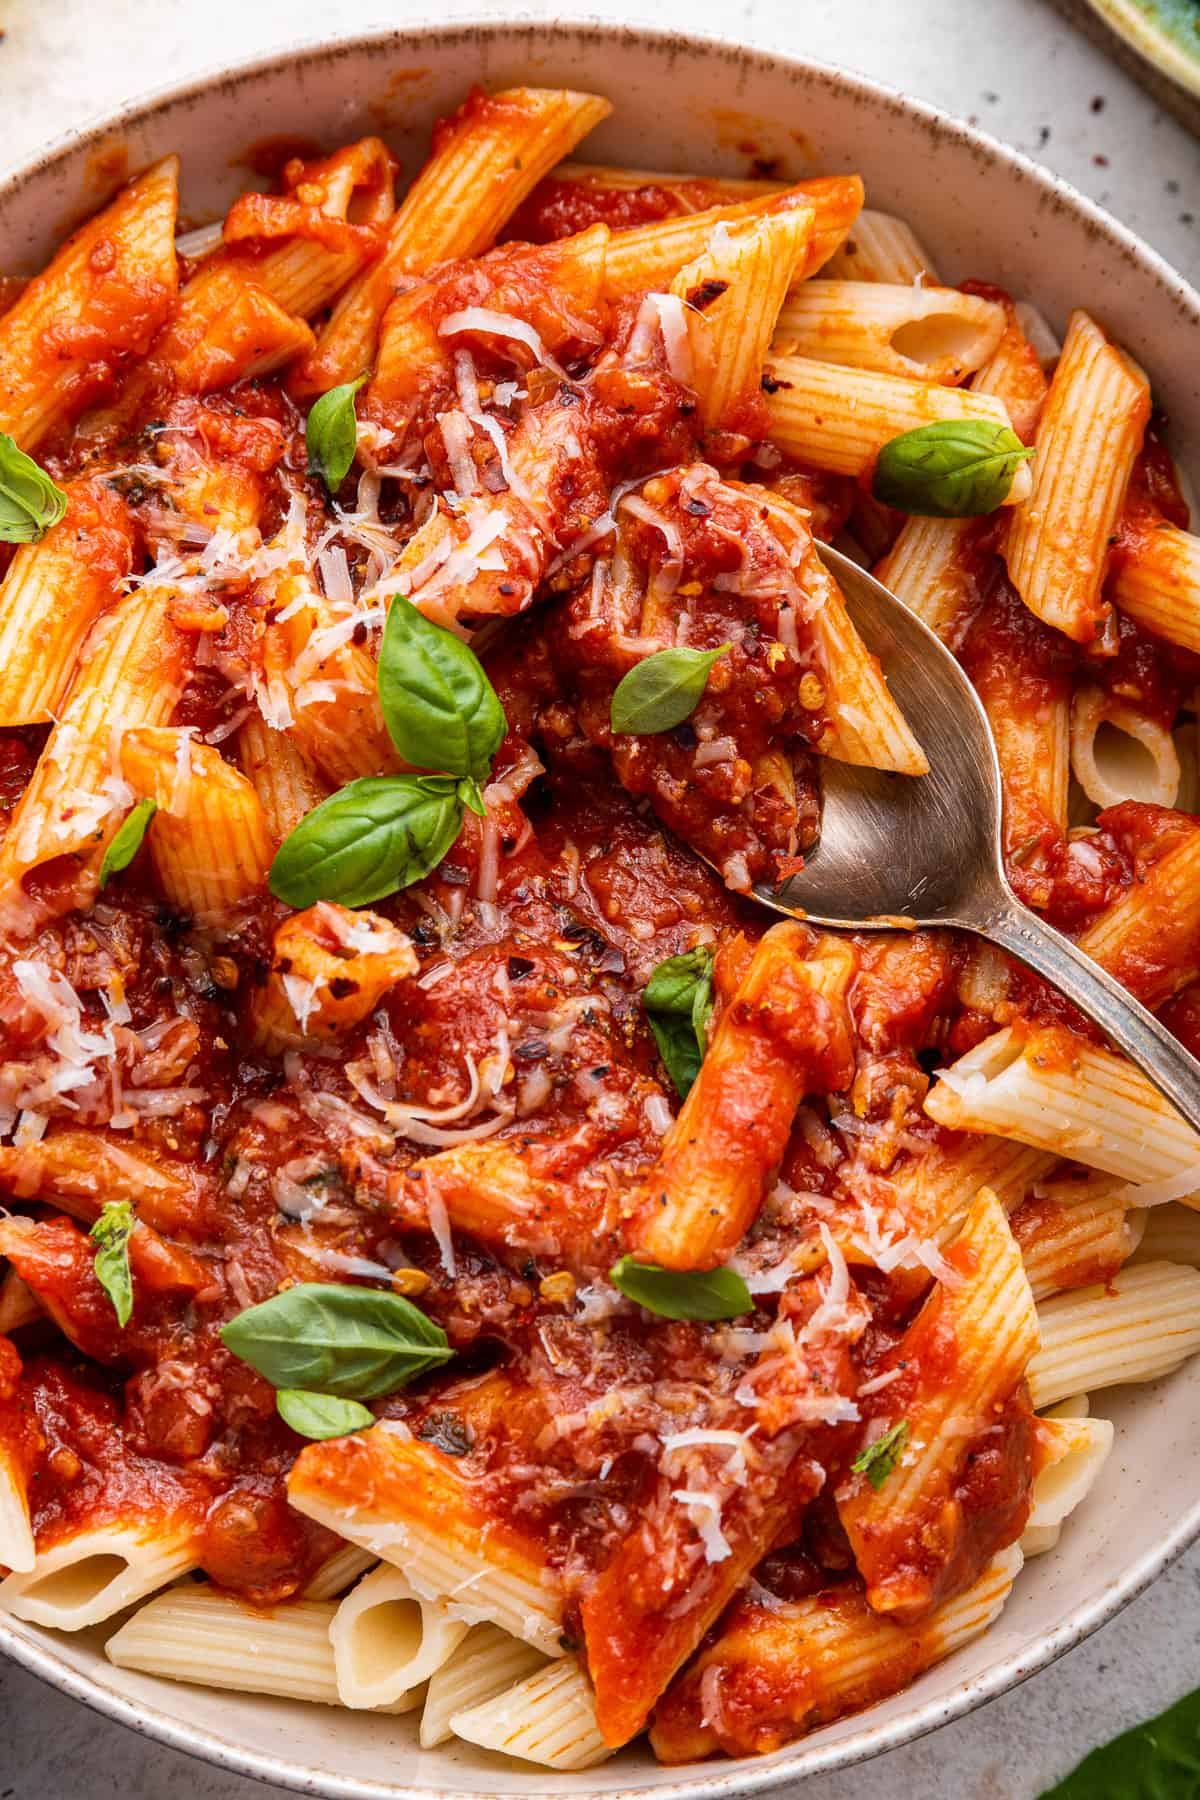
(901, 851)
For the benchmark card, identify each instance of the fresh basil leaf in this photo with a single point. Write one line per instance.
(370, 838)
(354, 1342)
(126, 840)
(321, 1415)
(663, 690)
(678, 1003)
(470, 794)
(111, 1233)
(876, 1461)
(1159, 1760)
(954, 469)
(439, 706)
(331, 434)
(30, 503)
(683, 1293)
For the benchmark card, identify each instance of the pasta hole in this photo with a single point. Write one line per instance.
(79, 1582)
(386, 1637)
(942, 338)
(1126, 764)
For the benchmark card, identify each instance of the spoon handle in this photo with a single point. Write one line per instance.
(1159, 1055)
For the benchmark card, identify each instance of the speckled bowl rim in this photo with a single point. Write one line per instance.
(704, 1781)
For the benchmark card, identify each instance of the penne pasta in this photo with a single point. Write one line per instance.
(548, 1718)
(406, 1503)
(881, 247)
(329, 970)
(1117, 753)
(487, 158)
(732, 295)
(228, 327)
(486, 1664)
(866, 726)
(197, 1633)
(89, 1575)
(209, 840)
(985, 1307)
(1058, 542)
(51, 596)
(643, 258)
(1056, 1092)
(131, 669)
(919, 333)
(285, 781)
(1170, 1233)
(1147, 937)
(1141, 1325)
(818, 1659)
(710, 1177)
(1073, 1233)
(340, 1572)
(839, 419)
(1157, 583)
(936, 566)
(109, 289)
(1073, 1452)
(387, 1642)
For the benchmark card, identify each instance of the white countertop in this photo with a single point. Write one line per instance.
(1011, 66)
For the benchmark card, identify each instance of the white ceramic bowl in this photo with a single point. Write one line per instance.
(681, 103)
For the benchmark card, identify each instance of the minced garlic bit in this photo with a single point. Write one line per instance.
(812, 693)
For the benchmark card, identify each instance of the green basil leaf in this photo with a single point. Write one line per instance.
(127, 840)
(663, 690)
(683, 1293)
(438, 705)
(370, 838)
(30, 503)
(470, 795)
(111, 1233)
(954, 469)
(321, 1415)
(876, 1461)
(1159, 1760)
(678, 1003)
(331, 434)
(354, 1342)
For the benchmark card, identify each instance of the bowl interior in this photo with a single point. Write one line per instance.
(680, 104)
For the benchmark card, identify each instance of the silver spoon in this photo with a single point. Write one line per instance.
(925, 850)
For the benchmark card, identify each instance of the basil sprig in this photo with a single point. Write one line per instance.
(353, 1342)
(111, 1234)
(1159, 1760)
(383, 832)
(954, 469)
(662, 690)
(678, 1002)
(373, 836)
(30, 503)
(127, 840)
(702, 1294)
(331, 434)
(440, 709)
(876, 1461)
(321, 1415)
